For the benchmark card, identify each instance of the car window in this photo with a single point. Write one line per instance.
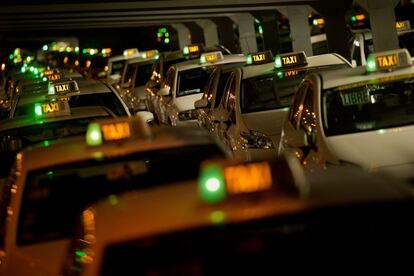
(297, 106)
(308, 118)
(143, 74)
(170, 77)
(192, 81)
(221, 87)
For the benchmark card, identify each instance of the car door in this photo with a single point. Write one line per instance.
(162, 102)
(208, 92)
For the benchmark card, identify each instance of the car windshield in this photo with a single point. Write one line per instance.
(108, 100)
(54, 197)
(117, 67)
(15, 140)
(192, 81)
(144, 72)
(269, 246)
(377, 104)
(274, 90)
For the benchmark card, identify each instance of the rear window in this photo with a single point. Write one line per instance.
(53, 198)
(108, 100)
(143, 75)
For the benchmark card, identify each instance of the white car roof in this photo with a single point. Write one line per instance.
(250, 71)
(195, 63)
(335, 78)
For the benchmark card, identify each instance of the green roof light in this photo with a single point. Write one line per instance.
(249, 59)
(202, 59)
(94, 135)
(371, 64)
(353, 18)
(166, 40)
(76, 49)
(23, 69)
(38, 110)
(11, 56)
(45, 47)
(278, 62)
(280, 75)
(211, 184)
(162, 30)
(186, 51)
(260, 29)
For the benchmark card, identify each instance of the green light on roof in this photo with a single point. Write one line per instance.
(38, 110)
(36, 71)
(186, 51)
(166, 40)
(77, 49)
(23, 69)
(31, 68)
(211, 184)
(353, 18)
(278, 62)
(371, 64)
(260, 29)
(249, 59)
(159, 35)
(45, 47)
(46, 143)
(203, 59)
(84, 51)
(50, 173)
(257, 21)
(11, 56)
(44, 79)
(167, 34)
(162, 30)
(94, 135)
(280, 75)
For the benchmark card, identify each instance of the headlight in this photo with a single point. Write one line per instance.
(188, 115)
(256, 140)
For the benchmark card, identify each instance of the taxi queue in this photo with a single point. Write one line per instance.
(201, 162)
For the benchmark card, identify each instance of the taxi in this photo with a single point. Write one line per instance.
(50, 120)
(256, 98)
(360, 117)
(50, 184)
(246, 219)
(81, 92)
(137, 71)
(184, 85)
(116, 64)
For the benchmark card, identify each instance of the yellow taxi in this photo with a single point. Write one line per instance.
(362, 116)
(246, 219)
(51, 183)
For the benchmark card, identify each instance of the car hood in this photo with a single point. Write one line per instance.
(187, 102)
(375, 149)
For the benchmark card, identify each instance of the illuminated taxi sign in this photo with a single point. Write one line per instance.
(63, 87)
(211, 57)
(192, 49)
(51, 72)
(54, 77)
(288, 74)
(131, 52)
(403, 25)
(217, 181)
(291, 60)
(116, 130)
(51, 109)
(152, 54)
(260, 58)
(388, 60)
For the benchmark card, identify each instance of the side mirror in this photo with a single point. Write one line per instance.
(146, 116)
(201, 103)
(219, 116)
(164, 91)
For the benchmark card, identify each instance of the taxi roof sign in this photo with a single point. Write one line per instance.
(403, 25)
(64, 87)
(54, 77)
(151, 54)
(221, 179)
(291, 60)
(133, 52)
(388, 60)
(211, 57)
(192, 49)
(260, 58)
(49, 72)
(116, 130)
(51, 109)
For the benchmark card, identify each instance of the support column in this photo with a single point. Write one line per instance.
(196, 32)
(299, 27)
(382, 19)
(247, 33)
(209, 29)
(336, 29)
(270, 27)
(226, 34)
(184, 36)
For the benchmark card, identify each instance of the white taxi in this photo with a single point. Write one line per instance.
(362, 116)
(50, 184)
(184, 85)
(116, 65)
(256, 99)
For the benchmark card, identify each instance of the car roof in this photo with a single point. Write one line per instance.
(250, 71)
(339, 77)
(68, 150)
(194, 63)
(76, 113)
(178, 207)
